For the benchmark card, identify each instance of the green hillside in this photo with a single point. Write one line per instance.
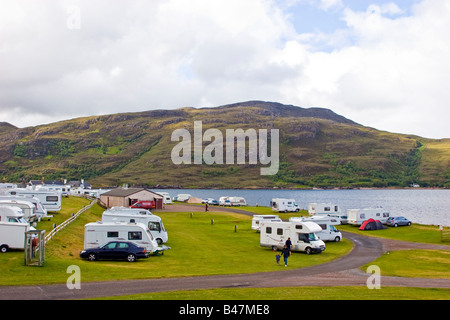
(318, 148)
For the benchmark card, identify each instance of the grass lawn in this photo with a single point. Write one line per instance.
(198, 248)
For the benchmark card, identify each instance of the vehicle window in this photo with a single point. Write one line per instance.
(362, 216)
(269, 230)
(135, 235)
(323, 226)
(378, 214)
(51, 198)
(110, 245)
(154, 226)
(122, 245)
(298, 226)
(112, 234)
(279, 231)
(327, 209)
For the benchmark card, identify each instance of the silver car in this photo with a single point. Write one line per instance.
(398, 221)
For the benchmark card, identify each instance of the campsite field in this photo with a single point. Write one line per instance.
(202, 248)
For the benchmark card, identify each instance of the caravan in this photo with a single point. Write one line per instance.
(40, 211)
(50, 200)
(166, 197)
(358, 216)
(237, 201)
(284, 205)
(12, 228)
(303, 235)
(329, 231)
(99, 233)
(323, 208)
(28, 208)
(258, 218)
(154, 223)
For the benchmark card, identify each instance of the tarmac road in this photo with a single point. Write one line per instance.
(341, 272)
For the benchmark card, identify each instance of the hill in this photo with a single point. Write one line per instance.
(318, 148)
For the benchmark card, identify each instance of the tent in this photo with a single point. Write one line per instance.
(372, 224)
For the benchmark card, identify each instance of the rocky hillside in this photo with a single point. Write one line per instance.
(318, 148)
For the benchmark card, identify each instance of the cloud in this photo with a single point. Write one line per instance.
(64, 59)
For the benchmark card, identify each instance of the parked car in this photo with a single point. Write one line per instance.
(213, 202)
(398, 221)
(120, 250)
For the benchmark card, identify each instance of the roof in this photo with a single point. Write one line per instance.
(121, 192)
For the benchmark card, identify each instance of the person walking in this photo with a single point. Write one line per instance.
(289, 244)
(285, 253)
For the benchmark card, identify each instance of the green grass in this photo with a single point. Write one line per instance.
(198, 248)
(297, 293)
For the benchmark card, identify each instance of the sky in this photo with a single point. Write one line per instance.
(382, 64)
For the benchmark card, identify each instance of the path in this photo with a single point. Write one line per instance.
(341, 272)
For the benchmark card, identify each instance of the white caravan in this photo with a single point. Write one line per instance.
(182, 197)
(166, 197)
(154, 223)
(12, 228)
(358, 216)
(127, 210)
(257, 218)
(99, 233)
(40, 211)
(323, 208)
(329, 231)
(303, 236)
(237, 201)
(51, 200)
(284, 205)
(28, 208)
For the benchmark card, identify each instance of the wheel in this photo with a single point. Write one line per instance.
(92, 257)
(274, 248)
(159, 241)
(395, 225)
(337, 239)
(3, 248)
(131, 258)
(409, 223)
(308, 250)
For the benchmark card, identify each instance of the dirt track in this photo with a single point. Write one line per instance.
(341, 272)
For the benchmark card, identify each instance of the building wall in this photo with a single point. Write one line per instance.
(114, 201)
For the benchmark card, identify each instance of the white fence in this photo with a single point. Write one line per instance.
(68, 221)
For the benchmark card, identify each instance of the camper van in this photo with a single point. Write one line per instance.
(153, 223)
(12, 228)
(50, 200)
(358, 216)
(28, 208)
(303, 235)
(329, 231)
(237, 201)
(182, 197)
(40, 211)
(98, 233)
(257, 218)
(323, 208)
(284, 205)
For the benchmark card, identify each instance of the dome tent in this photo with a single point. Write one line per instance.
(372, 224)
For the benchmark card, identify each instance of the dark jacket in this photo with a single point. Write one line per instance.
(286, 252)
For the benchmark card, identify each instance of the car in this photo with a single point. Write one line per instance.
(213, 202)
(398, 221)
(115, 250)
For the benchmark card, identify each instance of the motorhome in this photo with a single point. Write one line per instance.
(237, 201)
(303, 236)
(154, 223)
(358, 216)
(182, 197)
(141, 211)
(323, 208)
(329, 231)
(12, 228)
(99, 233)
(51, 200)
(284, 205)
(28, 208)
(40, 211)
(257, 218)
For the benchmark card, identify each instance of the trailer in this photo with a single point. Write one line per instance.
(12, 228)
(258, 218)
(153, 222)
(323, 209)
(302, 234)
(358, 216)
(99, 233)
(51, 200)
(284, 205)
(329, 231)
(237, 201)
